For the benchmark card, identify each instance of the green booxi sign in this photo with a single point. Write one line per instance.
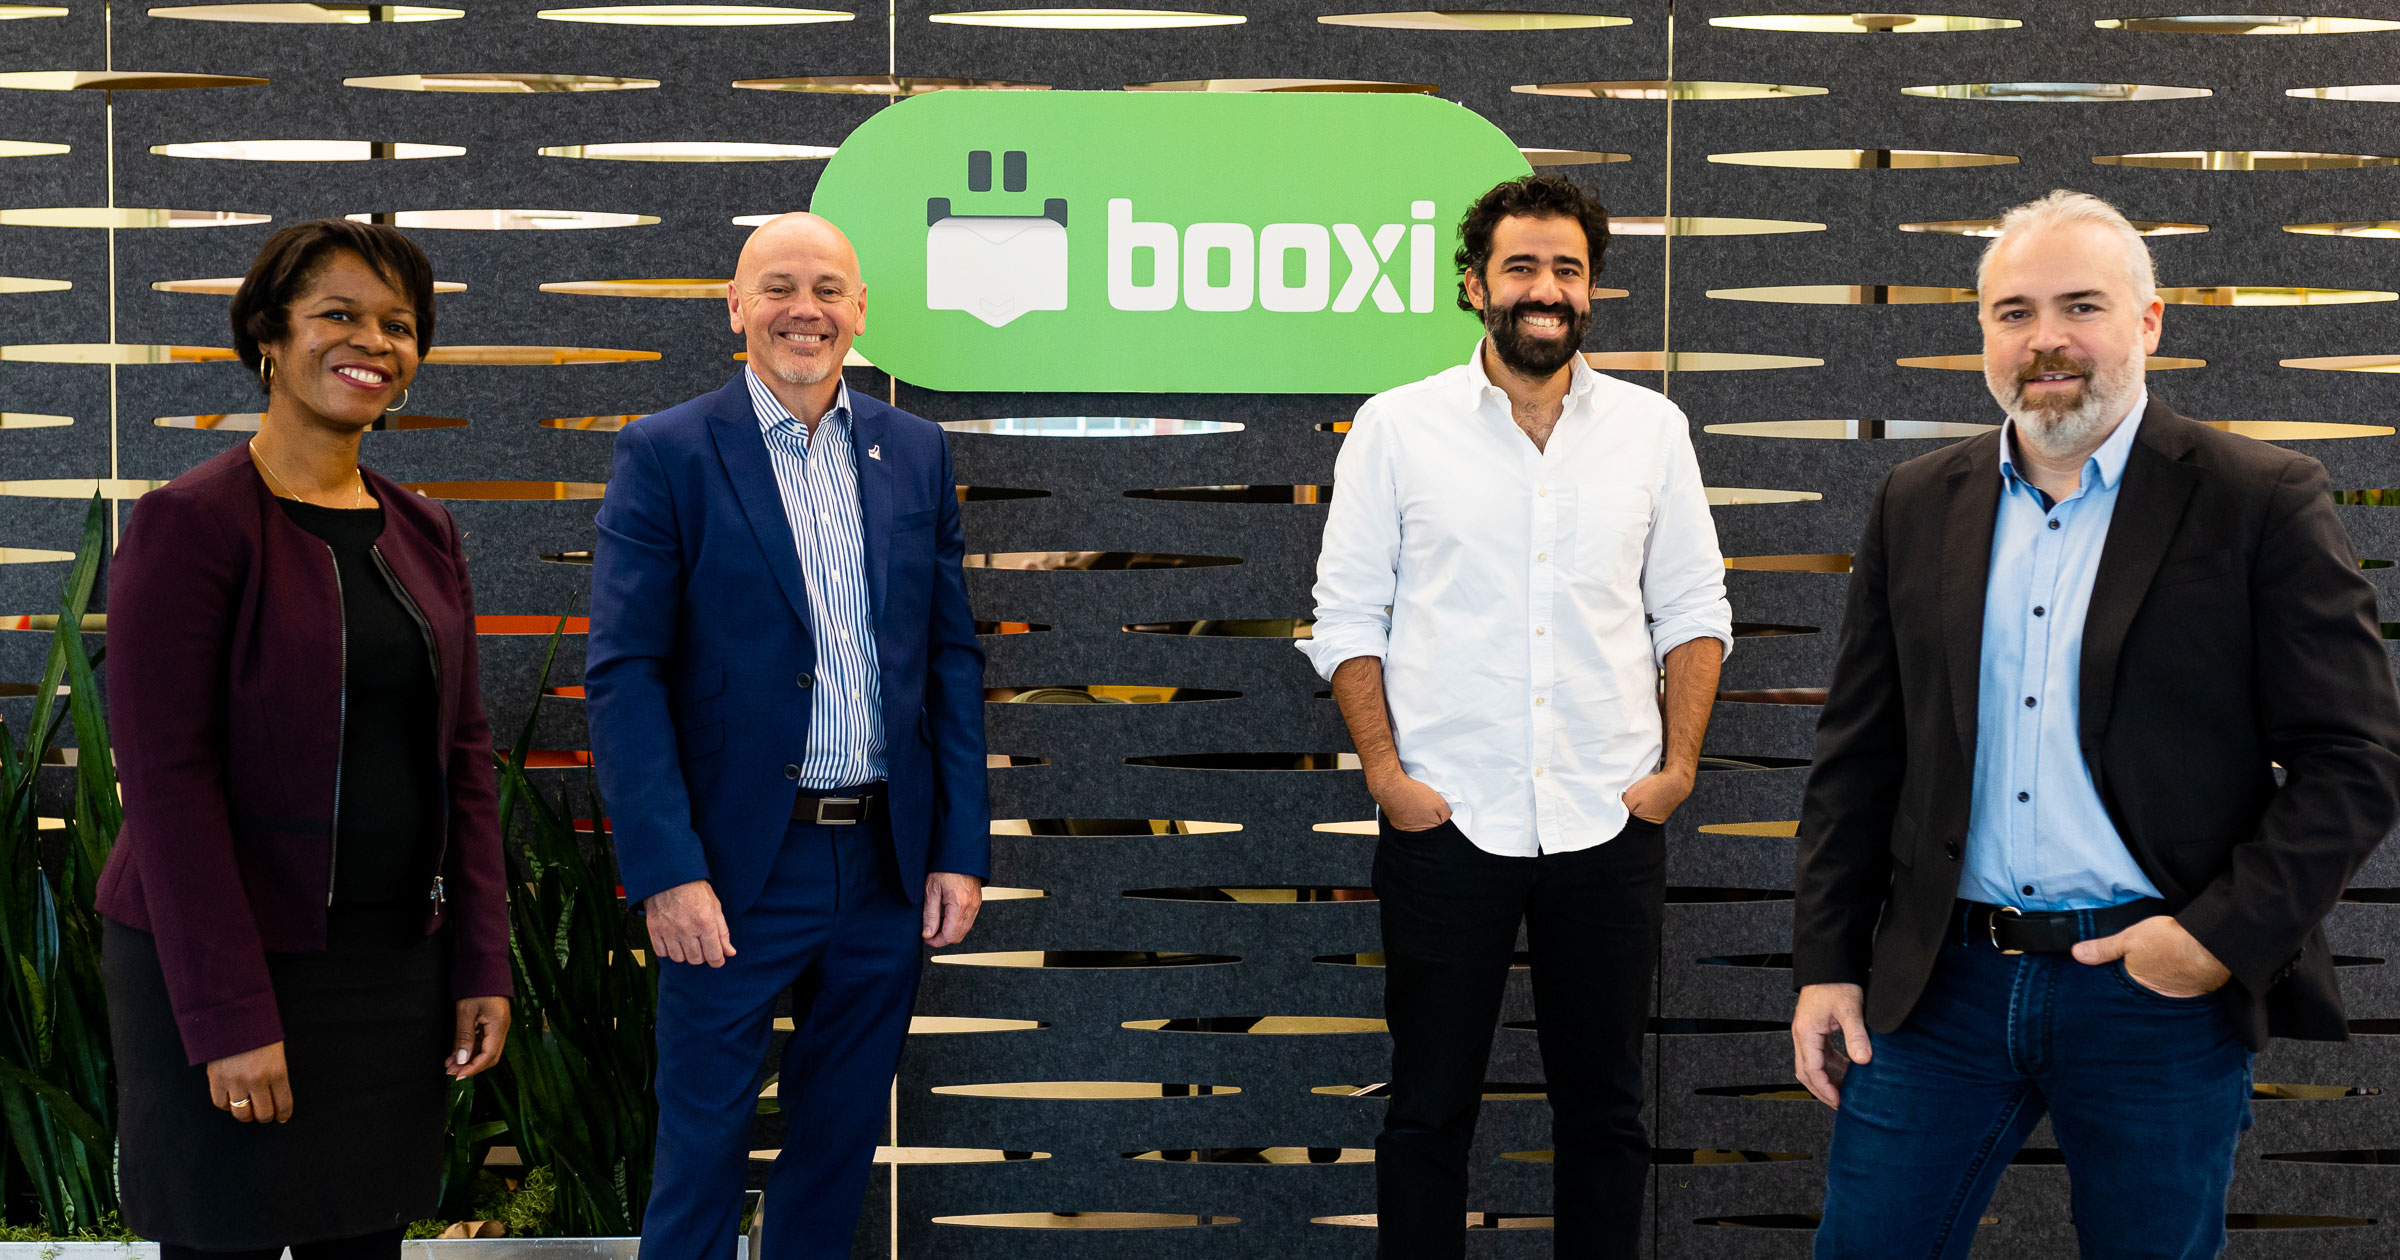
(1163, 242)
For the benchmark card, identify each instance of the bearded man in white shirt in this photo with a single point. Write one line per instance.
(1519, 547)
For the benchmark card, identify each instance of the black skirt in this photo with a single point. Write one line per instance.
(366, 1026)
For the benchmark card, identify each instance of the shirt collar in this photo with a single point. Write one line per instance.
(1581, 379)
(771, 412)
(2106, 465)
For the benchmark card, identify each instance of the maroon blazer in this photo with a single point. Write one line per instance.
(224, 695)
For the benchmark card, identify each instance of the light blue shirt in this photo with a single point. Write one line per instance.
(818, 479)
(2038, 837)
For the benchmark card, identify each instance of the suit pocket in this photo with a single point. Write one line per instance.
(905, 521)
(2199, 568)
(700, 741)
(701, 684)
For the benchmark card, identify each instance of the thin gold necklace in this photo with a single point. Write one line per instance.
(358, 493)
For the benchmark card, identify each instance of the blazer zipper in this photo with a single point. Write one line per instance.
(341, 731)
(433, 658)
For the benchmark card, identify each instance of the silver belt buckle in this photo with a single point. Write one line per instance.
(854, 806)
(1991, 927)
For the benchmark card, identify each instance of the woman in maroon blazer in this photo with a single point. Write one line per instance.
(306, 921)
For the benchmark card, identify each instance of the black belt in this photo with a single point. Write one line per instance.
(2014, 931)
(841, 807)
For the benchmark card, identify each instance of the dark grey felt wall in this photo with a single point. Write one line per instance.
(1718, 1038)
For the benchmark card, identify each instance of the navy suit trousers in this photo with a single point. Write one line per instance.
(834, 925)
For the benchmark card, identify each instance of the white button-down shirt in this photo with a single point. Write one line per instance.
(1522, 600)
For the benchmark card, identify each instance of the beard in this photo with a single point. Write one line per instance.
(2059, 425)
(1527, 356)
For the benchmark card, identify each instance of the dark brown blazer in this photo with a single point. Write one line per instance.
(2230, 632)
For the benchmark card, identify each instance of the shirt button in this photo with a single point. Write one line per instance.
(2028, 890)
(806, 681)
(791, 772)
(1543, 492)
(1541, 630)
(1538, 771)
(2054, 524)
(1543, 556)
(2040, 611)
(1539, 701)
(2024, 796)
(2029, 702)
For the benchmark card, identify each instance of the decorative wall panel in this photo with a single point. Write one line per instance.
(1179, 1017)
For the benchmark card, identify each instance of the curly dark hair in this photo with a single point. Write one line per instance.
(1533, 197)
(292, 257)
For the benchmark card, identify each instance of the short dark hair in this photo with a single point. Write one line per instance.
(292, 257)
(1532, 197)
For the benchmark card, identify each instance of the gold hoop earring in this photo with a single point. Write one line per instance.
(266, 373)
(403, 400)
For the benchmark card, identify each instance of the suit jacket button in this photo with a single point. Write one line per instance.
(1950, 850)
(791, 772)
(806, 681)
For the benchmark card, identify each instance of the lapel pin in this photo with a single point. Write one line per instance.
(875, 451)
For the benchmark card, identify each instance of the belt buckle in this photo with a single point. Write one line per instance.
(853, 805)
(1992, 926)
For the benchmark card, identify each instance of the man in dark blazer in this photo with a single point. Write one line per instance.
(2044, 854)
(786, 702)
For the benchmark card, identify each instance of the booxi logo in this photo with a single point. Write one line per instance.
(1164, 242)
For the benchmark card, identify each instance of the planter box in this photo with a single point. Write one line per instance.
(415, 1249)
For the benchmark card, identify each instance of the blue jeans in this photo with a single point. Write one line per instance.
(2148, 1095)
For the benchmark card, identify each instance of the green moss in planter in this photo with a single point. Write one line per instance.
(110, 1229)
(527, 1208)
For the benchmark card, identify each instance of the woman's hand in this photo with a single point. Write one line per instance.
(253, 1086)
(482, 1031)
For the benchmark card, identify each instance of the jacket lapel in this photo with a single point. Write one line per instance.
(868, 430)
(743, 450)
(1966, 567)
(2150, 506)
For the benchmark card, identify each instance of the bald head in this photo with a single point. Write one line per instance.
(797, 299)
(796, 235)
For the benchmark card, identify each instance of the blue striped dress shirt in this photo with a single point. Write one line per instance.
(2038, 836)
(818, 479)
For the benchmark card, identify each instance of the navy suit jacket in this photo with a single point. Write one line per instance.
(701, 653)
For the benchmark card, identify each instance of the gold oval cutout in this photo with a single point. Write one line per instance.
(1734, 496)
(884, 85)
(224, 286)
(2383, 230)
(1285, 85)
(1261, 1025)
(1570, 157)
(2380, 92)
(2057, 93)
(2268, 295)
(119, 353)
(500, 83)
(313, 14)
(690, 151)
(2247, 24)
(1827, 562)
(2298, 430)
(1692, 361)
(305, 150)
(79, 488)
(1845, 294)
(693, 15)
(32, 148)
(505, 491)
(1085, 1220)
(2348, 363)
(2246, 160)
(29, 284)
(1061, 1091)
(1289, 1156)
(1704, 225)
(1087, 19)
(505, 220)
(639, 289)
(1862, 159)
(14, 12)
(1474, 20)
(1851, 429)
(33, 420)
(1991, 227)
(535, 356)
(1671, 89)
(1865, 23)
(120, 81)
(124, 217)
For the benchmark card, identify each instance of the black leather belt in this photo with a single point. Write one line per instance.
(2014, 931)
(842, 807)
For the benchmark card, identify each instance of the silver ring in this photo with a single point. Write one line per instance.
(239, 1102)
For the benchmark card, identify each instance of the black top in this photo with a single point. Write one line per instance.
(390, 788)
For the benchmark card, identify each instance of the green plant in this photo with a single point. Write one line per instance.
(575, 1083)
(57, 1095)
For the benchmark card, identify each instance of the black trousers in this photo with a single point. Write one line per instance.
(383, 1244)
(1450, 916)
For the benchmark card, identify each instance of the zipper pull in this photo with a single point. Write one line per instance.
(439, 897)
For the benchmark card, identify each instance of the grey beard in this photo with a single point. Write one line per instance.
(795, 376)
(2056, 434)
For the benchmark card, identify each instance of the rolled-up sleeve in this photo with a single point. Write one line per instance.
(1683, 573)
(1358, 563)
